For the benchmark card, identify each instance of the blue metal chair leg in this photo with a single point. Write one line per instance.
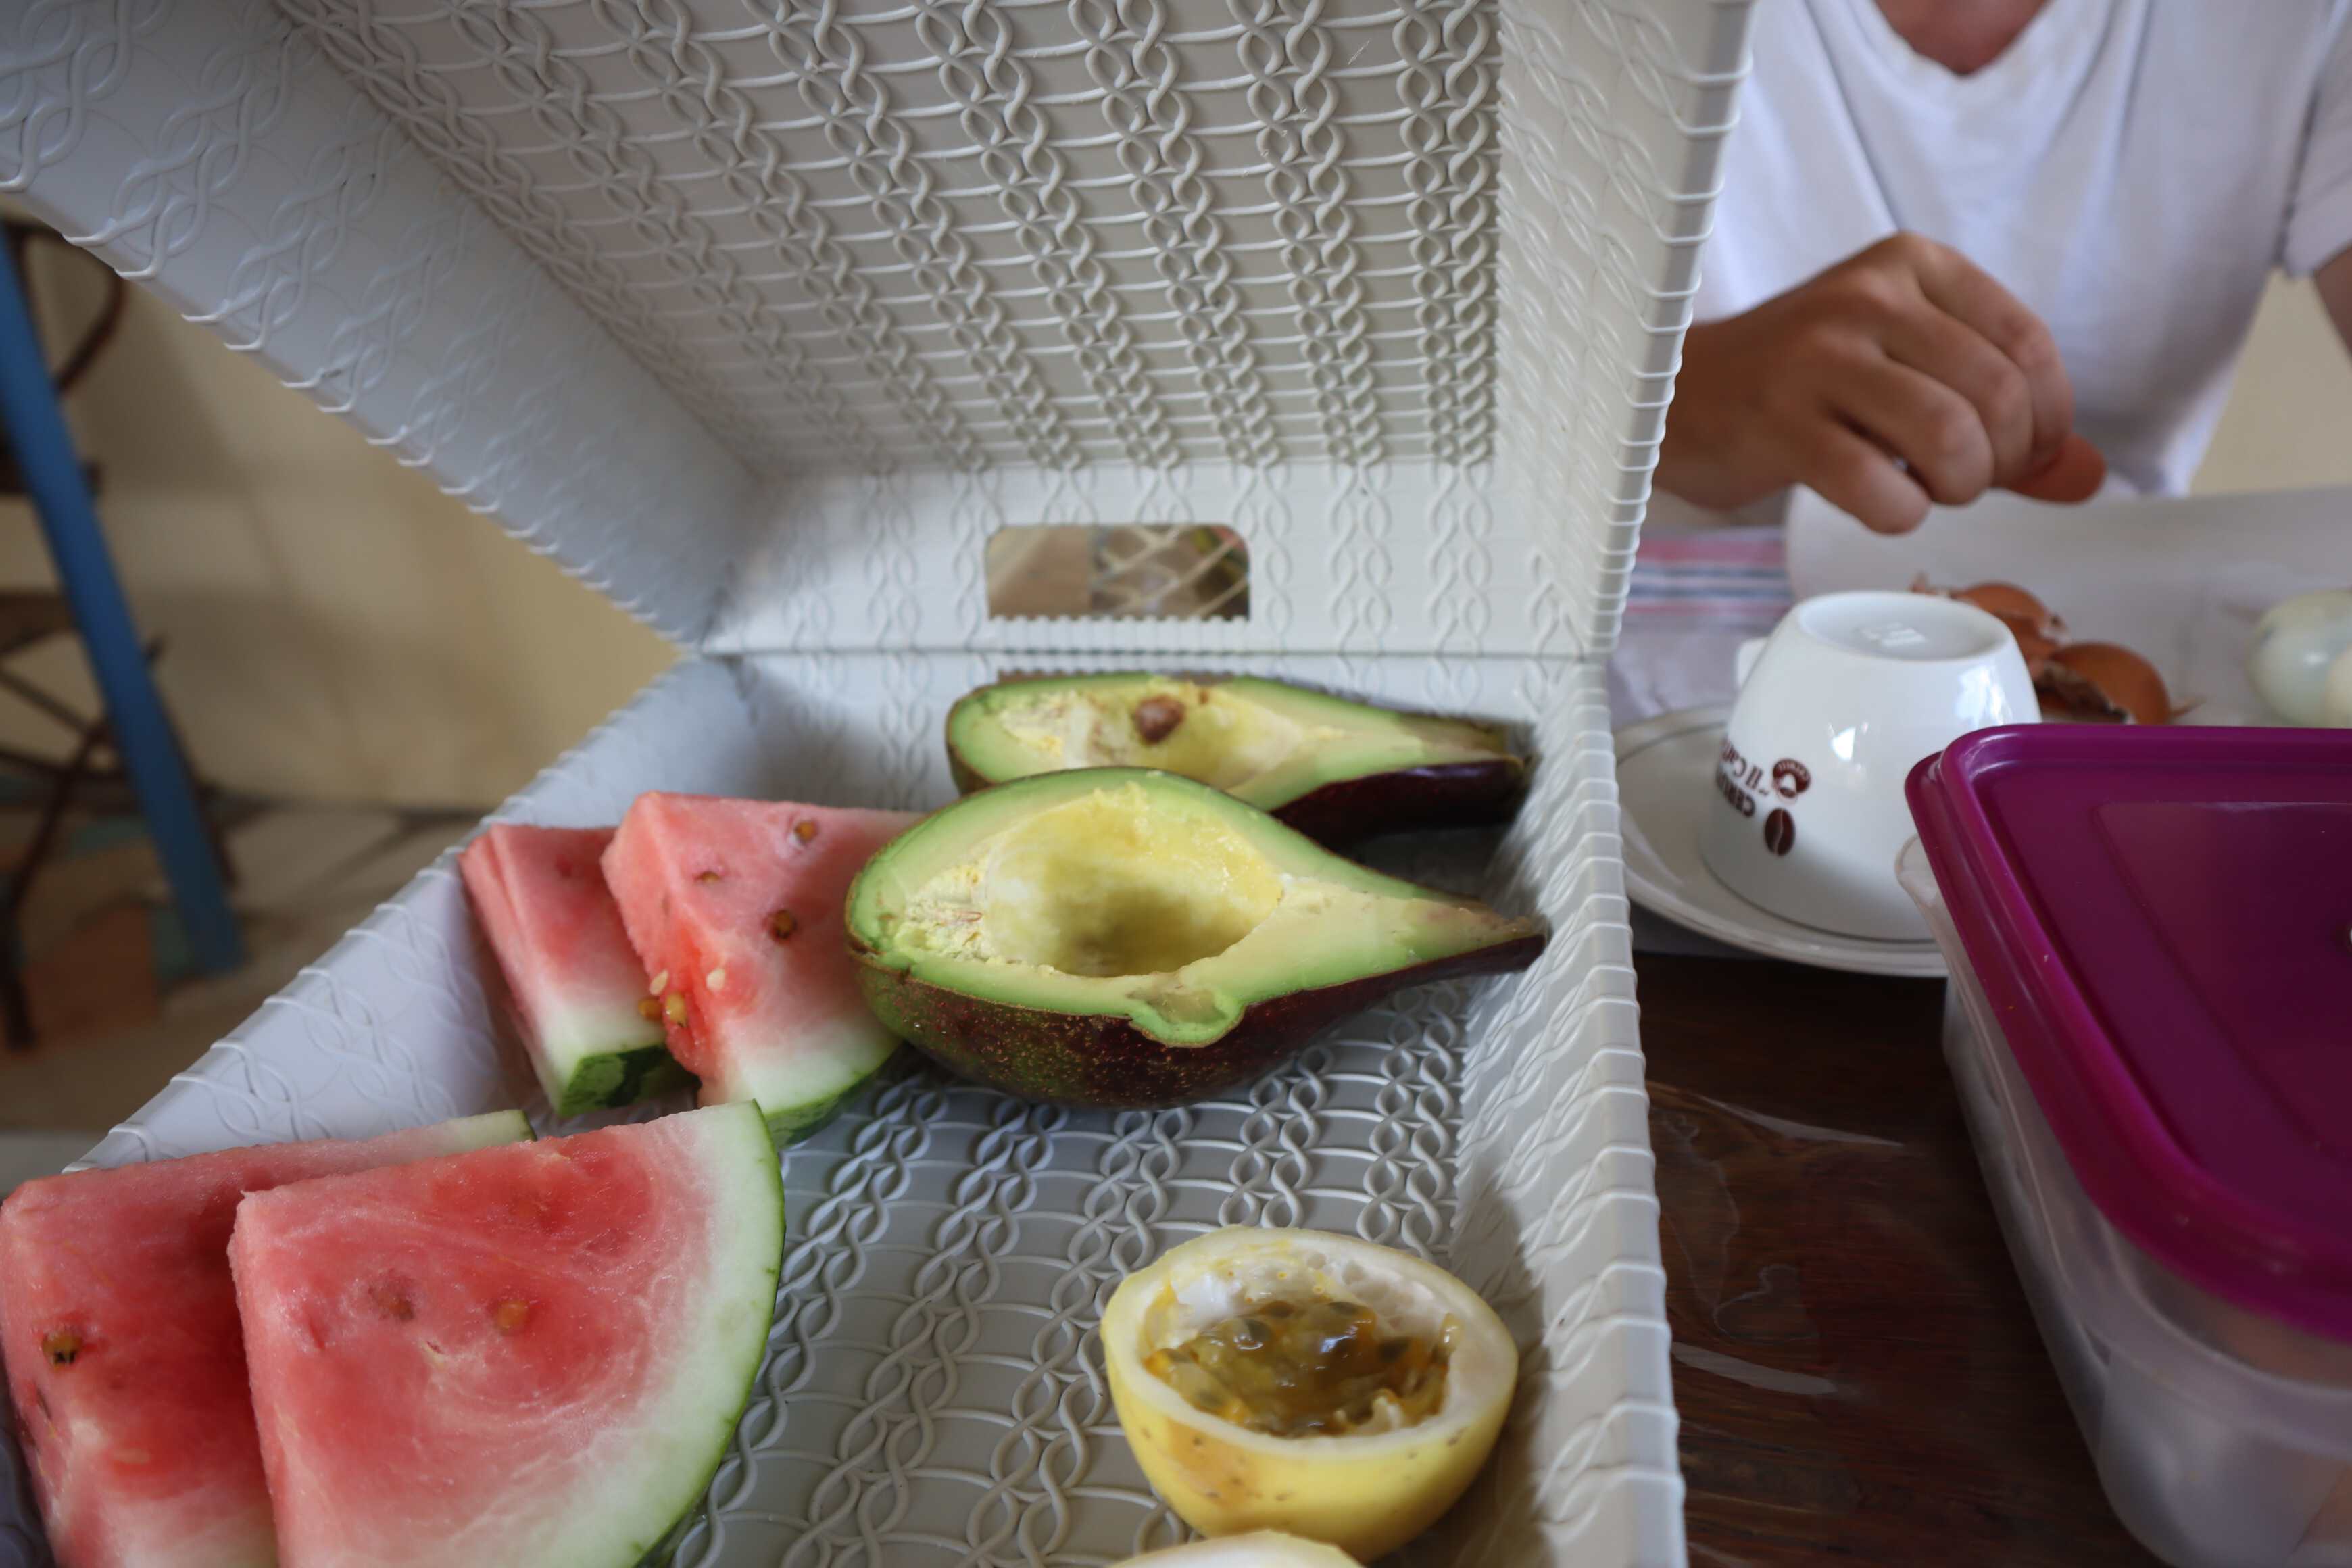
(53, 477)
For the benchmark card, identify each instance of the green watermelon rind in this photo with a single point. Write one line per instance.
(606, 1080)
(749, 1262)
(598, 1057)
(816, 1094)
(467, 1134)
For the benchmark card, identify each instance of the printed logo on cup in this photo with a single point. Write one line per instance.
(1741, 782)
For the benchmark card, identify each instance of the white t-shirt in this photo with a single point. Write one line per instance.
(2130, 169)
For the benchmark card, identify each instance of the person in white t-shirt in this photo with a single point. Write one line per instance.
(2015, 244)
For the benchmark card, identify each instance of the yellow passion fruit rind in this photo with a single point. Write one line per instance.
(1364, 1492)
(1259, 1548)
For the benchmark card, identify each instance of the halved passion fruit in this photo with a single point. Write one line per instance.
(1299, 1380)
(1258, 1549)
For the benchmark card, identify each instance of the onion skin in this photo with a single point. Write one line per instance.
(2014, 607)
(2102, 681)
(2036, 645)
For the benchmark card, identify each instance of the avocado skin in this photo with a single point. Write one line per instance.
(1369, 805)
(966, 781)
(1408, 800)
(1104, 1061)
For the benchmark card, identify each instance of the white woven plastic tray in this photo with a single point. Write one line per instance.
(763, 318)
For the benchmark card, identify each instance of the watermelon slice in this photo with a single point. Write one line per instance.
(580, 1004)
(518, 1358)
(735, 906)
(119, 1324)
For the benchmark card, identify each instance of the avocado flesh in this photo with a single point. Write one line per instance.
(1124, 937)
(1333, 768)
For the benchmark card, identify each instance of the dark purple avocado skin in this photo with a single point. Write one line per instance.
(1408, 800)
(1404, 800)
(1105, 1062)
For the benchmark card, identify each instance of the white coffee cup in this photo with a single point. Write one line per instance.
(1850, 691)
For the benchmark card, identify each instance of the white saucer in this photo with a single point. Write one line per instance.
(1662, 776)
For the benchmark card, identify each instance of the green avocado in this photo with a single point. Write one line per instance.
(1129, 938)
(1335, 770)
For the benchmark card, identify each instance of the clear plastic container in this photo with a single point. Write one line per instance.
(2222, 1432)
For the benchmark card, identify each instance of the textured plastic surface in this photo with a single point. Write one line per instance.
(933, 1393)
(2161, 917)
(2222, 1436)
(763, 321)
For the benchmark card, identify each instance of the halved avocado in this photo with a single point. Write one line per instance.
(1335, 770)
(1121, 937)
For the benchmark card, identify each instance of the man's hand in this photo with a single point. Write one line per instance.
(1900, 376)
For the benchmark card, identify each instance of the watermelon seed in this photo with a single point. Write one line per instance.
(805, 830)
(659, 983)
(648, 1007)
(716, 980)
(781, 925)
(510, 1316)
(707, 876)
(61, 1346)
(674, 1008)
(392, 1304)
(133, 1457)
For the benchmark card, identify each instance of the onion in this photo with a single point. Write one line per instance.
(2100, 681)
(2014, 605)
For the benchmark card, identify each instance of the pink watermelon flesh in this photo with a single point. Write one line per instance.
(735, 907)
(117, 1322)
(579, 993)
(513, 1358)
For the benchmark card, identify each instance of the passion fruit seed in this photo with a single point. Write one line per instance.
(649, 1008)
(61, 1346)
(1323, 1369)
(1156, 718)
(805, 830)
(674, 1007)
(511, 1315)
(781, 924)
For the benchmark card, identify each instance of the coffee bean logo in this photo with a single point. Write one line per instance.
(1779, 831)
(1791, 778)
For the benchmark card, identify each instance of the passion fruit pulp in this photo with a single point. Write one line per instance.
(1356, 1427)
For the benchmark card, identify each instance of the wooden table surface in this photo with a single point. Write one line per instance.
(1858, 1375)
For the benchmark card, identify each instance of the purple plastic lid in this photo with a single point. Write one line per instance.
(2162, 921)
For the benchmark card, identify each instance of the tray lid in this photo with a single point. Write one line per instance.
(768, 325)
(2163, 918)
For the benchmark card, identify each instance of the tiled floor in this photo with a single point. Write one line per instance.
(113, 1030)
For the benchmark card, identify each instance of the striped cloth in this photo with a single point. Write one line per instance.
(1694, 598)
(1731, 579)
